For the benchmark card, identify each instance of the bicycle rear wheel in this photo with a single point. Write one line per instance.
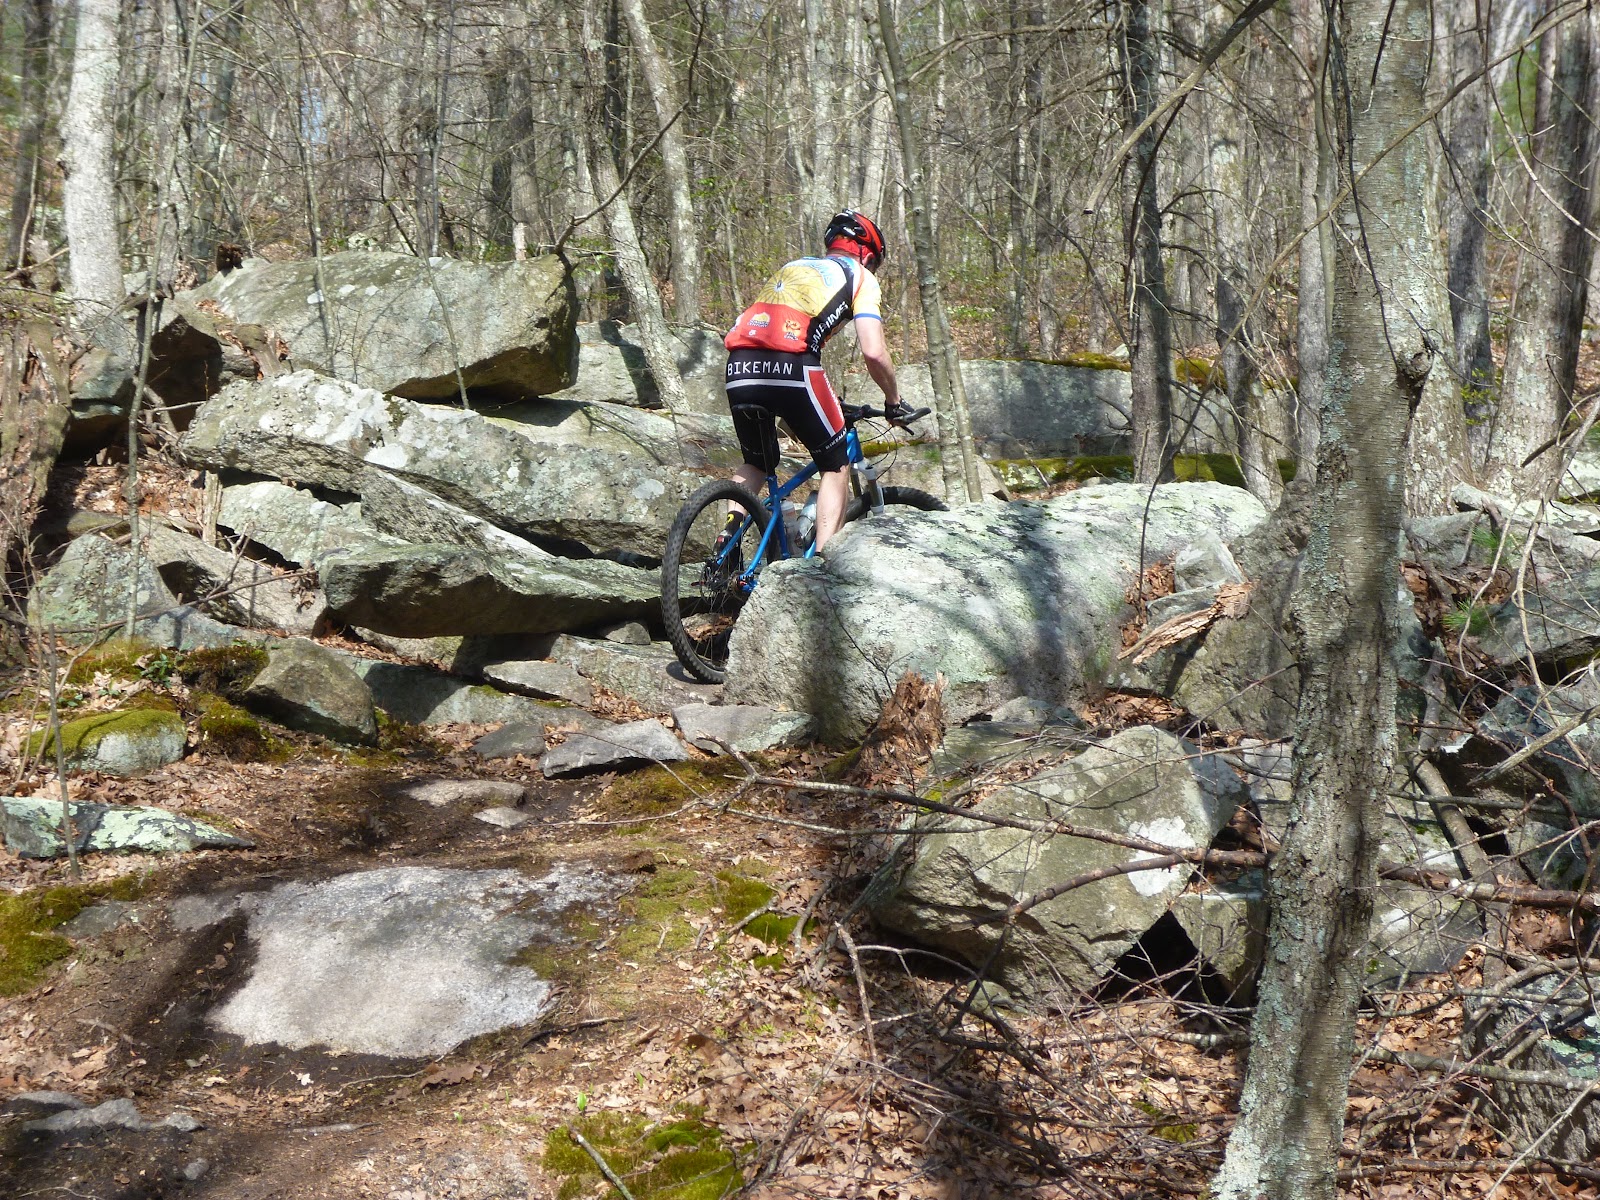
(702, 589)
(906, 496)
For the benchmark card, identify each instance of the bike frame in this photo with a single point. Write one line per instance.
(776, 494)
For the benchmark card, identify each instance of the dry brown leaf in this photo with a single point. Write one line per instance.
(904, 736)
(438, 1075)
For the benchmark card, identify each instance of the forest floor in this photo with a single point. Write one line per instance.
(816, 1060)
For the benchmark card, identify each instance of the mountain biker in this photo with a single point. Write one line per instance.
(775, 362)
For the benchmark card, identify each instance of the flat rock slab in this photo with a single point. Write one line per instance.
(635, 741)
(441, 793)
(113, 1114)
(422, 695)
(748, 728)
(548, 680)
(503, 818)
(32, 828)
(405, 962)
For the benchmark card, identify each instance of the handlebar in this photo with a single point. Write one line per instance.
(859, 412)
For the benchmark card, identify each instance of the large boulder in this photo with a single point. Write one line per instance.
(84, 598)
(420, 328)
(612, 368)
(428, 590)
(963, 873)
(307, 686)
(1022, 599)
(602, 476)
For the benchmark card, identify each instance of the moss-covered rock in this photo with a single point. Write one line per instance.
(119, 658)
(28, 944)
(126, 742)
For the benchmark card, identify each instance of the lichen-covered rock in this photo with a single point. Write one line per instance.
(1019, 599)
(421, 328)
(547, 680)
(32, 827)
(436, 588)
(963, 873)
(126, 742)
(84, 597)
(612, 368)
(309, 687)
(602, 476)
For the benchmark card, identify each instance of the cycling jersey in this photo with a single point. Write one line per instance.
(805, 304)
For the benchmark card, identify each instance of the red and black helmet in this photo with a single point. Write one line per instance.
(851, 226)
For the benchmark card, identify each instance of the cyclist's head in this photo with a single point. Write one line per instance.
(855, 235)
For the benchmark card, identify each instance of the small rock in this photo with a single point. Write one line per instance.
(647, 740)
(626, 633)
(100, 918)
(309, 687)
(748, 728)
(195, 1171)
(439, 793)
(520, 737)
(505, 818)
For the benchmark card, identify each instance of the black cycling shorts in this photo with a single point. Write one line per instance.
(764, 386)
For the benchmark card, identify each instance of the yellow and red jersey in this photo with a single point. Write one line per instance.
(805, 304)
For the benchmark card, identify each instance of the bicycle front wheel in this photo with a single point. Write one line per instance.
(905, 496)
(703, 587)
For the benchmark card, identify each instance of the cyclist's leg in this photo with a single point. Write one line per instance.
(822, 429)
(757, 431)
(833, 490)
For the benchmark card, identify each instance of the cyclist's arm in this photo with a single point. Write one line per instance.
(875, 353)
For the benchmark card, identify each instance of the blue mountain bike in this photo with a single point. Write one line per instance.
(704, 586)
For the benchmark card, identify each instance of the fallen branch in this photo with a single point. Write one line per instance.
(612, 1177)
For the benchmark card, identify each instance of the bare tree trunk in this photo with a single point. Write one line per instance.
(1150, 344)
(1547, 315)
(958, 455)
(1467, 211)
(89, 196)
(657, 340)
(1232, 208)
(1317, 174)
(1344, 614)
(823, 198)
(32, 85)
(685, 232)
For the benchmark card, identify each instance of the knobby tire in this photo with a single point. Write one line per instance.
(698, 614)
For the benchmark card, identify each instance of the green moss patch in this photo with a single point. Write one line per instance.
(230, 731)
(404, 738)
(1032, 474)
(27, 944)
(1089, 360)
(681, 1160)
(224, 670)
(643, 793)
(119, 658)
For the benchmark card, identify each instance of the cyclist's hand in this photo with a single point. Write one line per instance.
(900, 414)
